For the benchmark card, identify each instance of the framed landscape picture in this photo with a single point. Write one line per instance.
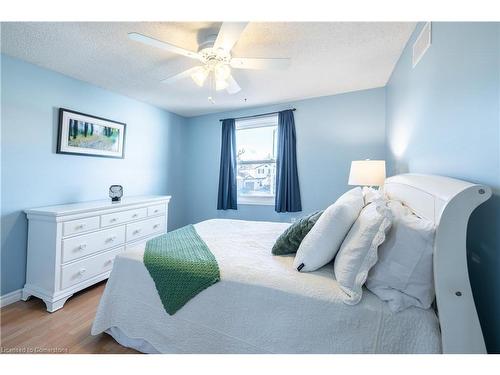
(82, 134)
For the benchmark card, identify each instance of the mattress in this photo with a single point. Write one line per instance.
(260, 305)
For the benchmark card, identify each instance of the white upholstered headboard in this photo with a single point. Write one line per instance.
(448, 203)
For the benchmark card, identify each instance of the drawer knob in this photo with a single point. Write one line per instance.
(113, 220)
(81, 226)
(82, 271)
(109, 262)
(137, 231)
(135, 215)
(111, 239)
(83, 246)
(156, 226)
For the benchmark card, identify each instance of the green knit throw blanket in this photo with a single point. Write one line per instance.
(181, 265)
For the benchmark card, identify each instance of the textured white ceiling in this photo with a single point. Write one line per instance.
(326, 58)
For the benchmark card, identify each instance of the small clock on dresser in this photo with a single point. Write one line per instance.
(116, 193)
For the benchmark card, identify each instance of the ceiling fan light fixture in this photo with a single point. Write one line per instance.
(220, 84)
(222, 72)
(199, 77)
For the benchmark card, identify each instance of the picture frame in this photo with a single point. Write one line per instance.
(87, 135)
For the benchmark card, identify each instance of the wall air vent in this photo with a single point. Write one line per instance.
(422, 43)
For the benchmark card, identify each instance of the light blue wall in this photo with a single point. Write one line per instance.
(443, 117)
(331, 131)
(34, 175)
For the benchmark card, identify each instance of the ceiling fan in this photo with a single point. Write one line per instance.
(216, 59)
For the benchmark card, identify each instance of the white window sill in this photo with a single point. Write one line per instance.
(256, 201)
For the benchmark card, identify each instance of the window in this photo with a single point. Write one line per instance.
(256, 147)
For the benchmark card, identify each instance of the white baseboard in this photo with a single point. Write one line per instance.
(11, 297)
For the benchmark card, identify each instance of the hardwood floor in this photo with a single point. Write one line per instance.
(28, 327)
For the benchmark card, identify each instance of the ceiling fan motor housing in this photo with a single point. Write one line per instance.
(211, 56)
(208, 42)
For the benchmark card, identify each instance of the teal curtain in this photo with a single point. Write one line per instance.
(227, 174)
(287, 178)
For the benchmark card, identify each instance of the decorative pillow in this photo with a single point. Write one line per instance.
(403, 275)
(288, 242)
(358, 252)
(323, 241)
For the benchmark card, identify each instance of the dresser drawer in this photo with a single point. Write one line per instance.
(80, 226)
(157, 209)
(86, 244)
(123, 216)
(139, 244)
(85, 269)
(145, 228)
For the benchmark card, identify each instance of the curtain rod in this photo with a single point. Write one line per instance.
(262, 114)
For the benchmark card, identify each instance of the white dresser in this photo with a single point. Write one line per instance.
(72, 246)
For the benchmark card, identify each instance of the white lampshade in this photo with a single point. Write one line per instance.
(220, 84)
(222, 72)
(367, 172)
(199, 76)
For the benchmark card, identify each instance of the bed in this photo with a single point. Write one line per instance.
(263, 305)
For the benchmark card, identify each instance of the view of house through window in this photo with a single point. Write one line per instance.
(256, 145)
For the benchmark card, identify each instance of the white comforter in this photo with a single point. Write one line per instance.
(260, 305)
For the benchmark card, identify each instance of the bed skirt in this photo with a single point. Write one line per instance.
(140, 345)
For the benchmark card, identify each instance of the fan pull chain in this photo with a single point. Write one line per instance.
(211, 87)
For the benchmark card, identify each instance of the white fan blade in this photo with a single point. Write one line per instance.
(229, 34)
(184, 74)
(233, 86)
(250, 63)
(163, 45)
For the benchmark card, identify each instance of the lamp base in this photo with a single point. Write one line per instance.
(371, 194)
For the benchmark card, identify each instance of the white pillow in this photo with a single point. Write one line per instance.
(403, 275)
(322, 242)
(358, 252)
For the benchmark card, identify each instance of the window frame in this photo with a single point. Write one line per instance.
(253, 123)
